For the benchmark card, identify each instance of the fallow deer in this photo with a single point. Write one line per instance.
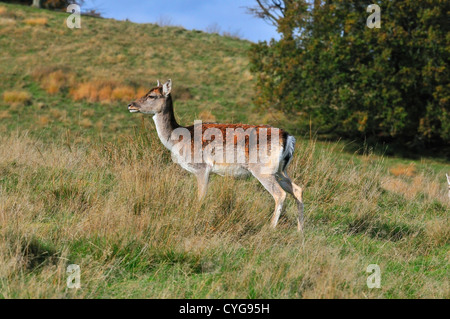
(272, 172)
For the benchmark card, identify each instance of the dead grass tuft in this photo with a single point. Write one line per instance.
(4, 114)
(56, 81)
(87, 91)
(207, 116)
(86, 123)
(438, 231)
(405, 170)
(99, 125)
(182, 93)
(36, 21)
(43, 120)
(53, 79)
(409, 189)
(57, 113)
(7, 21)
(123, 93)
(88, 113)
(16, 97)
(103, 92)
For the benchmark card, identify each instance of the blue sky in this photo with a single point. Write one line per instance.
(229, 15)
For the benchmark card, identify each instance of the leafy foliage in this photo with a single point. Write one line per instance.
(48, 4)
(384, 84)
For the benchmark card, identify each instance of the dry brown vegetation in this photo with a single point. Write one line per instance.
(4, 114)
(16, 97)
(410, 188)
(53, 80)
(105, 92)
(405, 170)
(36, 21)
(206, 116)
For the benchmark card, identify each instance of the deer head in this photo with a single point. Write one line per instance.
(154, 101)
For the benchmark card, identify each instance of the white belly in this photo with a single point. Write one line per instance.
(230, 170)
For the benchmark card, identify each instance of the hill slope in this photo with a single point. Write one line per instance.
(40, 55)
(84, 182)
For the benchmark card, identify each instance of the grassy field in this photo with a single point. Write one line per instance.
(84, 182)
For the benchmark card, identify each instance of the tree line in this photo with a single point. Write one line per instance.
(331, 70)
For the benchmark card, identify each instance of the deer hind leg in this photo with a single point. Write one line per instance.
(296, 191)
(279, 195)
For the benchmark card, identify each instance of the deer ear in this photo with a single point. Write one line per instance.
(158, 84)
(167, 88)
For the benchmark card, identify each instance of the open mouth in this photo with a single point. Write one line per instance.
(133, 110)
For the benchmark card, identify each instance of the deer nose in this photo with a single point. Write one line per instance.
(132, 108)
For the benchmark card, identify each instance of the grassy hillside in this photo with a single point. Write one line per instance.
(84, 182)
(81, 79)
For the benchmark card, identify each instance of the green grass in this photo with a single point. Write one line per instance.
(90, 184)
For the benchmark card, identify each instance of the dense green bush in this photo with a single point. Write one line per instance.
(388, 83)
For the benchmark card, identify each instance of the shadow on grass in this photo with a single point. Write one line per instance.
(37, 254)
(379, 230)
(397, 148)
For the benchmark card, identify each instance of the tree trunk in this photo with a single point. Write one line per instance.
(317, 3)
(37, 3)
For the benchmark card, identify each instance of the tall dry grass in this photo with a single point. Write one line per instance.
(129, 217)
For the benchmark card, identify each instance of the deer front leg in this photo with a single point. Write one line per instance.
(202, 181)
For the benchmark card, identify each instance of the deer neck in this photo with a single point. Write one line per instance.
(166, 123)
